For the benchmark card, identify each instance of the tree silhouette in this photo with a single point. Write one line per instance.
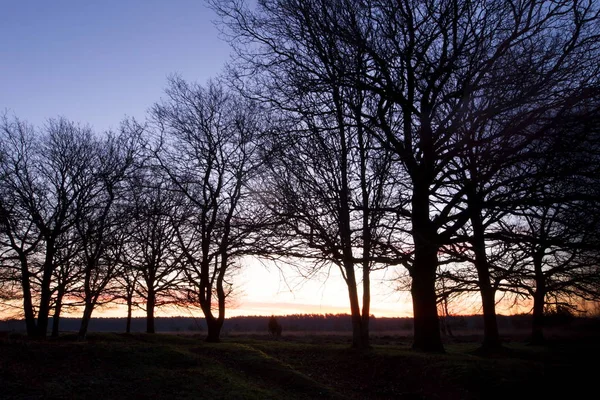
(445, 77)
(151, 253)
(45, 180)
(100, 223)
(207, 149)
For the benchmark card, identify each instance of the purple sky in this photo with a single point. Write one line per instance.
(98, 61)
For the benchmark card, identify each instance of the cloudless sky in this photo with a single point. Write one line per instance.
(96, 62)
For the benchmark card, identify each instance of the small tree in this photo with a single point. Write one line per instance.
(151, 255)
(275, 327)
(206, 146)
(103, 217)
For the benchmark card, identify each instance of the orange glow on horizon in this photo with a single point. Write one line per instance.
(265, 291)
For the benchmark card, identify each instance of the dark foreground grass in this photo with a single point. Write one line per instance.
(118, 366)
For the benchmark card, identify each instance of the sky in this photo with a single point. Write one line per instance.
(97, 62)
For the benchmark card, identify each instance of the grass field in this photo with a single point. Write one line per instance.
(139, 366)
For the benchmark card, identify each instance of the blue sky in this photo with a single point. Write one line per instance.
(98, 61)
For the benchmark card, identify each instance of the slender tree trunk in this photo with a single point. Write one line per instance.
(360, 327)
(150, 305)
(89, 301)
(27, 301)
(366, 229)
(46, 294)
(205, 297)
(366, 309)
(85, 319)
(57, 311)
(358, 340)
(427, 335)
(129, 291)
(491, 336)
(447, 324)
(218, 323)
(129, 307)
(360, 323)
(537, 326)
(213, 324)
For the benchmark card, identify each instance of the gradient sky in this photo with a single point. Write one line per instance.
(96, 62)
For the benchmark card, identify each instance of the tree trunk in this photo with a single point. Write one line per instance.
(537, 325)
(359, 341)
(360, 323)
(214, 326)
(427, 335)
(129, 307)
(491, 336)
(150, 305)
(45, 297)
(57, 310)
(360, 333)
(85, 319)
(366, 310)
(446, 325)
(27, 301)
(44, 310)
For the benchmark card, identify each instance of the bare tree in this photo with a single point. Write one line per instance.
(19, 234)
(152, 262)
(102, 218)
(536, 206)
(127, 279)
(208, 151)
(329, 183)
(437, 71)
(554, 226)
(67, 274)
(44, 176)
(326, 184)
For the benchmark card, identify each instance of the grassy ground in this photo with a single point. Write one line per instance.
(138, 366)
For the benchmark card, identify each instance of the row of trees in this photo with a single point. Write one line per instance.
(459, 139)
(453, 129)
(151, 215)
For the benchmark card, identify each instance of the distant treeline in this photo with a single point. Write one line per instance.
(299, 322)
